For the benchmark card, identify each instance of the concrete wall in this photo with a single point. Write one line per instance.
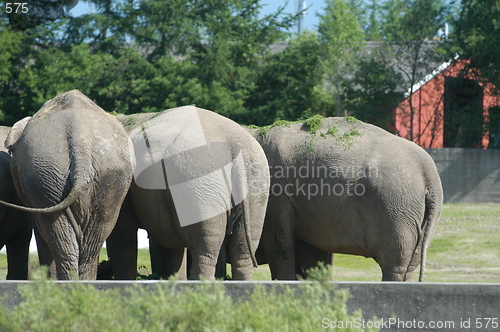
(468, 175)
(397, 306)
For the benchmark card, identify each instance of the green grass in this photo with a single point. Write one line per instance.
(143, 262)
(466, 248)
(48, 306)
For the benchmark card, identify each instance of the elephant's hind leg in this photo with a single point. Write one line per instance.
(203, 265)
(395, 274)
(398, 268)
(204, 240)
(239, 255)
(60, 238)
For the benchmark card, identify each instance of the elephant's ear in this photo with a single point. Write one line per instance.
(15, 132)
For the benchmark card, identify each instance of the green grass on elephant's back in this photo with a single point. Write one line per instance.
(466, 248)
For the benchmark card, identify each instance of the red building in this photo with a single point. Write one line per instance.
(451, 107)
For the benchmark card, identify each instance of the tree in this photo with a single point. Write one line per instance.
(373, 94)
(290, 84)
(162, 27)
(341, 37)
(234, 41)
(409, 26)
(10, 45)
(137, 55)
(27, 14)
(372, 24)
(477, 33)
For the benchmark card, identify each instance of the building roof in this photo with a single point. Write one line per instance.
(417, 61)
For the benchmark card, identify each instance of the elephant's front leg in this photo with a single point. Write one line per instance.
(308, 257)
(122, 243)
(168, 262)
(278, 243)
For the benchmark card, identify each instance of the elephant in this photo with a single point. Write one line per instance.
(72, 166)
(306, 258)
(15, 226)
(201, 181)
(344, 186)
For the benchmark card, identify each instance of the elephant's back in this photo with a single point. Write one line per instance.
(71, 138)
(355, 169)
(193, 136)
(4, 132)
(342, 141)
(71, 123)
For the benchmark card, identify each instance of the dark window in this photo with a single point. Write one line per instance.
(494, 127)
(463, 113)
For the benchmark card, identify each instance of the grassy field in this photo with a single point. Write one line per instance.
(466, 248)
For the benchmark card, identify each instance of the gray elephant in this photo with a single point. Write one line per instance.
(201, 180)
(15, 226)
(72, 166)
(344, 186)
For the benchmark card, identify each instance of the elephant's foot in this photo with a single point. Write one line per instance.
(67, 270)
(396, 274)
(204, 271)
(88, 270)
(242, 271)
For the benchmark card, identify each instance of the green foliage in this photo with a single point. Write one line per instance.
(332, 131)
(133, 56)
(9, 46)
(351, 119)
(289, 84)
(313, 123)
(143, 56)
(322, 273)
(414, 20)
(341, 38)
(48, 306)
(262, 131)
(348, 137)
(372, 94)
(477, 33)
(340, 32)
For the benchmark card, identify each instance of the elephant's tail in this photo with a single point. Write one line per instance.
(65, 204)
(79, 185)
(433, 207)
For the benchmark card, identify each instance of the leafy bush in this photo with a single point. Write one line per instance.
(173, 306)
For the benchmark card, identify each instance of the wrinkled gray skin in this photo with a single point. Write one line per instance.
(361, 191)
(72, 165)
(15, 226)
(154, 210)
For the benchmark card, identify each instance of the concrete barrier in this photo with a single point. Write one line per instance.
(468, 175)
(396, 306)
